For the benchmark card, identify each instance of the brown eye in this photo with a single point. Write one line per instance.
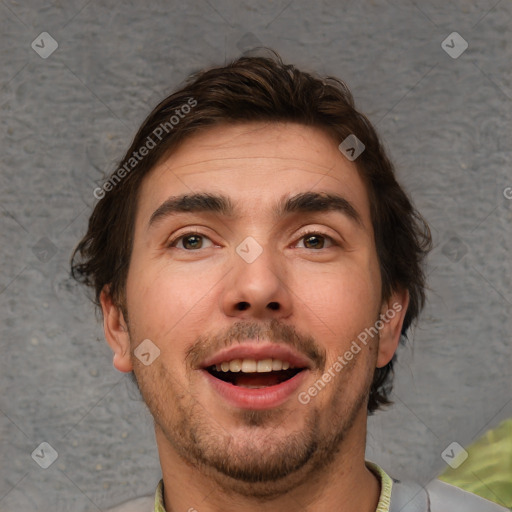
(315, 240)
(192, 242)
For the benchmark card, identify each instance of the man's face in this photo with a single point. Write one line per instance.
(307, 282)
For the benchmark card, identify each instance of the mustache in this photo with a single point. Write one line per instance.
(274, 331)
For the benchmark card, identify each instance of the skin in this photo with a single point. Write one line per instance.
(184, 298)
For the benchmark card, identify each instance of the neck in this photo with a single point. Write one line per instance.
(342, 483)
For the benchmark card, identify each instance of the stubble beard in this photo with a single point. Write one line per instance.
(265, 463)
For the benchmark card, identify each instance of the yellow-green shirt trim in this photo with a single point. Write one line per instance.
(386, 483)
(159, 497)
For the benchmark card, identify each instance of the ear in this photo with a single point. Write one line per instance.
(116, 331)
(392, 315)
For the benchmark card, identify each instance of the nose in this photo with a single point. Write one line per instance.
(257, 286)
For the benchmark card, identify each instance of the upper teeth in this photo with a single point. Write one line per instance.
(252, 366)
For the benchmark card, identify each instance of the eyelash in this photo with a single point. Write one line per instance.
(172, 242)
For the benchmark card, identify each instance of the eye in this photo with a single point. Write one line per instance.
(189, 241)
(316, 240)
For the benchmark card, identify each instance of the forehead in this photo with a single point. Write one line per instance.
(256, 165)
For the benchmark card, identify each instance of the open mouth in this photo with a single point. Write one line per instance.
(254, 380)
(258, 382)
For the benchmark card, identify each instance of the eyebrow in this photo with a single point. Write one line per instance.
(303, 202)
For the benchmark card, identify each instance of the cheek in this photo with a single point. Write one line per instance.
(163, 299)
(339, 306)
(344, 300)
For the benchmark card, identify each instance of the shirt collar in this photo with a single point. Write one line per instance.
(386, 483)
(159, 497)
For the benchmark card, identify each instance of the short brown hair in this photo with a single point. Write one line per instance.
(260, 88)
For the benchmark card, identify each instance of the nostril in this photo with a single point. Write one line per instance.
(242, 306)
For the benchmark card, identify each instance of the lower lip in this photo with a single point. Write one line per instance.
(252, 398)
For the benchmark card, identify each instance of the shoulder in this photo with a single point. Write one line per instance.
(437, 496)
(145, 504)
(443, 497)
(448, 498)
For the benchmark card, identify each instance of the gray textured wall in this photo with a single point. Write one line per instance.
(67, 118)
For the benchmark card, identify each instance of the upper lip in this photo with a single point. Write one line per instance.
(259, 351)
